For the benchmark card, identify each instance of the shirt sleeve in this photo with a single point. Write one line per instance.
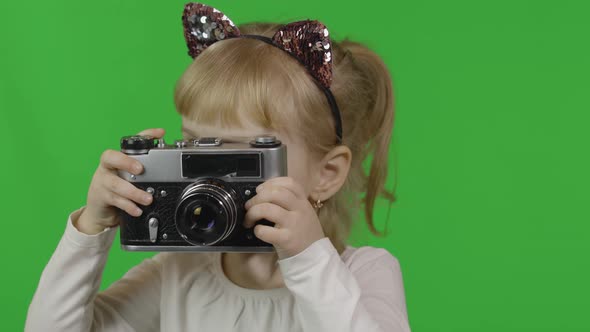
(67, 297)
(330, 296)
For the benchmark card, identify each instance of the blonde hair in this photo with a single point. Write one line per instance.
(242, 80)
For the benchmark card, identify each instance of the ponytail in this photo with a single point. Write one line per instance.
(378, 117)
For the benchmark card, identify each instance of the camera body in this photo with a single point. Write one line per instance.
(199, 189)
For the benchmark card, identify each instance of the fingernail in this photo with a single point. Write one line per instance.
(259, 188)
(138, 212)
(137, 168)
(147, 198)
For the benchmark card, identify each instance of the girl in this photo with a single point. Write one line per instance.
(331, 104)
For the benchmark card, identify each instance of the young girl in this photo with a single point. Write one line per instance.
(330, 114)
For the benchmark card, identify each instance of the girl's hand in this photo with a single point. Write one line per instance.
(108, 191)
(284, 202)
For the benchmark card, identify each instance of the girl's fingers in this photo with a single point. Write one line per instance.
(268, 211)
(272, 235)
(127, 190)
(285, 182)
(154, 132)
(123, 204)
(113, 160)
(277, 195)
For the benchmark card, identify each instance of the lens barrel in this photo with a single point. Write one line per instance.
(207, 212)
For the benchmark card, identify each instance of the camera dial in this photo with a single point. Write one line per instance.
(137, 144)
(265, 141)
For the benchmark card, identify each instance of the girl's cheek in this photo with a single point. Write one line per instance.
(297, 167)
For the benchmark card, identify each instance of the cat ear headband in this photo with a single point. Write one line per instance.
(306, 41)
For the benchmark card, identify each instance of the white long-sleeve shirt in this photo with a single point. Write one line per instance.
(360, 291)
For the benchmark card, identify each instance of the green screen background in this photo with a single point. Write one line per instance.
(491, 141)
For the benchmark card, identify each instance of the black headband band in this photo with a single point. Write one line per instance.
(327, 92)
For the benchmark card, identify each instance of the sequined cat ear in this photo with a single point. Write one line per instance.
(205, 25)
(309, 42)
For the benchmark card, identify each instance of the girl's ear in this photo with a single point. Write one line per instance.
(333, 170)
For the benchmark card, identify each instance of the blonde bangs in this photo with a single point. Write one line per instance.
(245, 81)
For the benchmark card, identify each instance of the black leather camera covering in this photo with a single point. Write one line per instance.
(135, 230)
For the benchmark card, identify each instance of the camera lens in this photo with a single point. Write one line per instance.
(206, 212)
(203, 217)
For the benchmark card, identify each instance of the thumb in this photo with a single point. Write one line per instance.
(154, 132)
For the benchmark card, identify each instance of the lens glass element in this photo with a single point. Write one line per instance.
(203, 218)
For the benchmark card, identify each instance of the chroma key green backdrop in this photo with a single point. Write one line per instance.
(490, 141)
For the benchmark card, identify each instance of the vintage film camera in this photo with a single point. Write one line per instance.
(199, 188)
